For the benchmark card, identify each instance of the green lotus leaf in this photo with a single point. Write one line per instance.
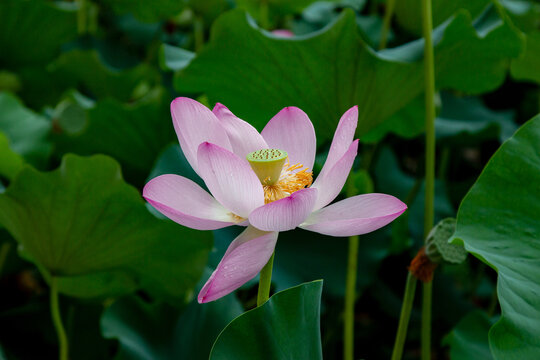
(408, 13)
(134, 134)
(498, 223)
(469, 339)
(84, 225)
(86, 70)
(526, 67)
(276, 328)
(329, 71)
(10, 162)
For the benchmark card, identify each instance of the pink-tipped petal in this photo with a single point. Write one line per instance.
(194, 124)
(292, 131)
(331, 182)
(356, 215)
(243, 260)
(186, 203)
(284, 214)
(244, 138)
(342, 140)
(230, 179)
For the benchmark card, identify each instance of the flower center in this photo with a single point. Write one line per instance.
(278, 177)
(267, 164)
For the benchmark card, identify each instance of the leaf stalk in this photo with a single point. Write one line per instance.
(429, 78)
(57, 320)
(406, 308)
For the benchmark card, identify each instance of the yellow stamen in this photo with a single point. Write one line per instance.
(237, 219)
(288, 183)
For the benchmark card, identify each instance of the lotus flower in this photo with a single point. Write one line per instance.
(262, 181)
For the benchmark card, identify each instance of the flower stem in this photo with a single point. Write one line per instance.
(429, 78)
(82, 17)
(57, 320)
(406, 308)
(426, 320)
(389, 11)
(4, 250)
(265, 281)
(198, 32)
(263, 14)
(350, 296)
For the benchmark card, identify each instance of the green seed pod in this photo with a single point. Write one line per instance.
(438, 249)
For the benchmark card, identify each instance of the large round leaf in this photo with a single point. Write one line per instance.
(499, 222)
(285, 327)
(83, 224)
(327, 72)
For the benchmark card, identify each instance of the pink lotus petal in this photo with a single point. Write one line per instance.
(186, 203)
(284, 214)
(194, 124)
(292, 131)
(356, 215)
(331, 182)
(283, 33)
(243, 260)
(244, 138)
(230, 179)
(342, 140)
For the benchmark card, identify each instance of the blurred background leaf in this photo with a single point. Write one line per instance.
(26, 131)
(469, 340)
(32, 32)
(258, 73)
(154, 331)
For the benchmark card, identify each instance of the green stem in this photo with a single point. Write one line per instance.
(265, 281)
(198, 33)
(350, 296)
(426, 320)
(429, 75)
(263, 14)
(429, 78)
(4, 250)
(406, 308)
(82, 19)
(389, 11)
(57, 320)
